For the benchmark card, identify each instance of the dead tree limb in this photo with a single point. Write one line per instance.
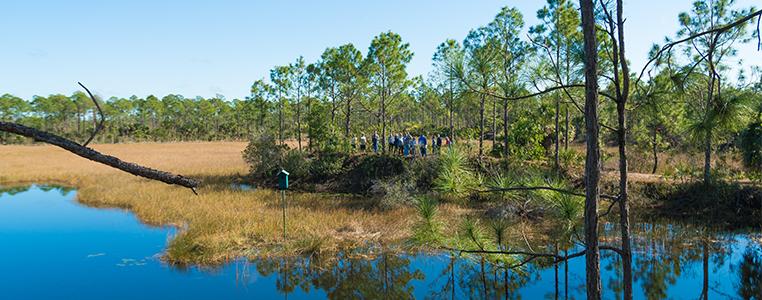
(100, 111)
(96, 156)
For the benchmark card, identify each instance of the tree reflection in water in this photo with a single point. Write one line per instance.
(669, 261)
(749, 271)
(387, 276)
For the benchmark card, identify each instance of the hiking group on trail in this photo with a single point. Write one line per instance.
(404, 144)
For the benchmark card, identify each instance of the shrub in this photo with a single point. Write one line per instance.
(454, 177)
(364, 170)
(263, 155)
(296, 163)
(392, 194)
(751, 146)
(327, 165)
(423, 172)
(571, 159)
(722, 204)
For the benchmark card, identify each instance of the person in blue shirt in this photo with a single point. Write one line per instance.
(374, 141)
(405, 145)
(399, 143)
(422, 144)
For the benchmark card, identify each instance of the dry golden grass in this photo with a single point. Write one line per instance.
(221, 223)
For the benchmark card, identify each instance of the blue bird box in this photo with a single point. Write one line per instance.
(282, 180)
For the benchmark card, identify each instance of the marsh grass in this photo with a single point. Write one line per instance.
(221, 223)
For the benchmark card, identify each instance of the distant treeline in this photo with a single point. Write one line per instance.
(170, 118)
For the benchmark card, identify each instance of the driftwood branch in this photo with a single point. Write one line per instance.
(100, 111)
(96, 156)
(531, 256)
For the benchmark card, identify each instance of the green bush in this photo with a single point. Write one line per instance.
(455, 179)
(297, 164)
(327, 165)
(751, 146)
(423, 172)
(721, 204)
(364, 170)
(263, 155)
(392, 194)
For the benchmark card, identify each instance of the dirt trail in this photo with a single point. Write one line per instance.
(652, 178)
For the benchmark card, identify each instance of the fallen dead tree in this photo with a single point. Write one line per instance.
(89, 153)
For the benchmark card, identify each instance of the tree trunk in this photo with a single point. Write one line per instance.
(566, 128)
(299, 118)
(505, 129)
(280, 118)
(333, 103)
(481, 126)
(624, 205)
(556, 131)
(494, 121)
(347, 118)
(383, 120)
(592, 160)
(309, 113)
(452, 107)
(654, 150)
(709, 102)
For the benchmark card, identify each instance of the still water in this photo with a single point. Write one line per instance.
(51, 247)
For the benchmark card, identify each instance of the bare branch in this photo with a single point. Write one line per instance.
(96, 156)
(100, 111)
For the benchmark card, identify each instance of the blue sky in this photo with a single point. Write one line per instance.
(203, 48)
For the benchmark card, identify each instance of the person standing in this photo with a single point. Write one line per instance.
(405, 145)
(411, 145)
(391, 143)
(374, 141)
(422, 144)
(439, 144)
(363, 142)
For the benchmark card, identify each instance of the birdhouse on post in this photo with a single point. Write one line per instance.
(282, 180)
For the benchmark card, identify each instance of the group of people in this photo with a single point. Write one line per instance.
(404, 144)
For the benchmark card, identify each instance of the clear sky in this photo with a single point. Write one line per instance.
(203, 48)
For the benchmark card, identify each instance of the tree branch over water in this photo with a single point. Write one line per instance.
(96, 156)
(89, 153)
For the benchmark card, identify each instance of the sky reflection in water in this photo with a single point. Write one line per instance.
(53, 247)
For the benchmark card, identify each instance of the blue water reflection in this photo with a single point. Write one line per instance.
(51, 247)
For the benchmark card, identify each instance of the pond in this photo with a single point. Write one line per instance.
(53, 247)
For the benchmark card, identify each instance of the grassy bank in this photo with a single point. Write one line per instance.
(220, 223)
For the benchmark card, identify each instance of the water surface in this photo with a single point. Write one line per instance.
(52, 247)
